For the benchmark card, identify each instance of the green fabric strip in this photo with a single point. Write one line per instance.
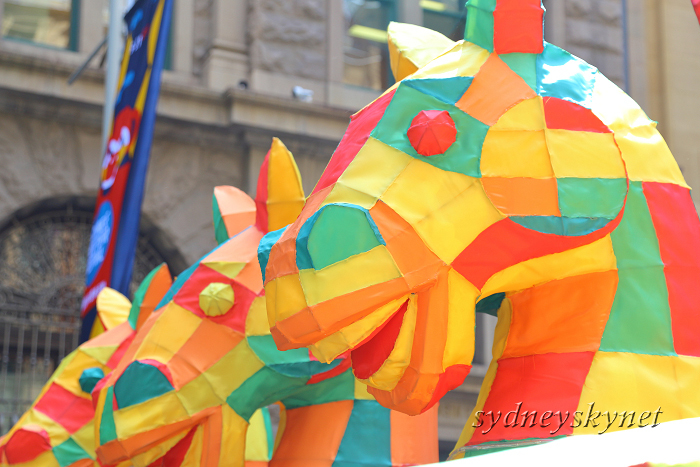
(108, 431)
(479, 24)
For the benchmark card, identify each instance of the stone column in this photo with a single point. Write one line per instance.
(91, 28)
(182, 36)
(226, 63)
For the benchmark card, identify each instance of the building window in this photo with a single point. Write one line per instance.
(43, 252)
(52, 23)
(445, 16)
(366, 52)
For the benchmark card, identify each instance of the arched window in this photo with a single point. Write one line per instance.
(43, 250)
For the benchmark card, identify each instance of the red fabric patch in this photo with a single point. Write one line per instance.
(369, 356)
(176, 455)
(64, 407)
(452, 378)
(535, 383)
(506, 243)
(518, 26)
(432, 132)
(26, 444)
(261, 197)
(678, 231)
(188, 298)
(357, 134)
(696, 7)
(119, 353)
(565, 115)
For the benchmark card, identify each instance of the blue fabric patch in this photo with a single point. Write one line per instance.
(560, 74)
(89, 378)
(376, 443)
(448, 90)
(266, 246)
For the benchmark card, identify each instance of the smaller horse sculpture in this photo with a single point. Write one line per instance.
(58, 429)
(205, 361)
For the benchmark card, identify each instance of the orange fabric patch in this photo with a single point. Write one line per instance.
(523, 196)
(405, 429)
(495, 89)
(562, 316)
(207, 345)
(302, 436)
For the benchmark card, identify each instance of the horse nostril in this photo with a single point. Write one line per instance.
(335, 233)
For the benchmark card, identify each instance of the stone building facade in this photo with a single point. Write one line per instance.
(228, 89)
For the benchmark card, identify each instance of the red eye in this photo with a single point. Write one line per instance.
(432, 132)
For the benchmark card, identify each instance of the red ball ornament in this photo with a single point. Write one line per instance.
(432, 132)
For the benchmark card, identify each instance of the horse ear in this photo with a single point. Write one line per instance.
(506, 26)
(233, 211)
(112, 310)
(412, 47)
(151, 291)
(280, 195)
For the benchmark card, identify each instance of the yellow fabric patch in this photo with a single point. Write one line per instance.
(149, 415)
(178, 324)
(223, 380)
(500, 337)
(414, 199)
(256, 322)
(69, 377)
(459, 344)
(233, 435)
(112, 307)
(516, 154)
(343, 194)
(85, 437)
(101, 354)
(595, 257)
(57, 434)
(464, 59)
(647, 156)
(357, 272)
(256, 439)
(373, 169)
(147, 458)
(361, 392)
(229, 270)
(198, 395)
(193, 457)
(412, 47)
(216, 299)
(388, 375)
(327, 349)
(449, 229)
(643, 383)
(614, 107)
(584, 154)
(526, 115)
(285, 297)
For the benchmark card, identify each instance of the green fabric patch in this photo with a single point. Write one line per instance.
(570, 227)
(268, 430)
(490, 305)
(591, 197)
(376, 443)
(265, 247)
(335, 233)
(562, 75)
(69, 452)
(220, 231)
(139, 296)
(525, 65)
(640, 319)
(463, 156)
(266, 350)
(448, 90)
(108, 430)
(338, 388)
(265, 387)
(140, 382)
(479, 23)
(89, 378)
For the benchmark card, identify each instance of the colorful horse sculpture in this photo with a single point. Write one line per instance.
(58, 429)
(205, 361)
(500, 173)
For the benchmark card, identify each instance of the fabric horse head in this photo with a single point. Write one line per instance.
(205, 362)
(500, 173)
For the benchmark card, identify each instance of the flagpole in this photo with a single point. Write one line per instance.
(114, 55)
